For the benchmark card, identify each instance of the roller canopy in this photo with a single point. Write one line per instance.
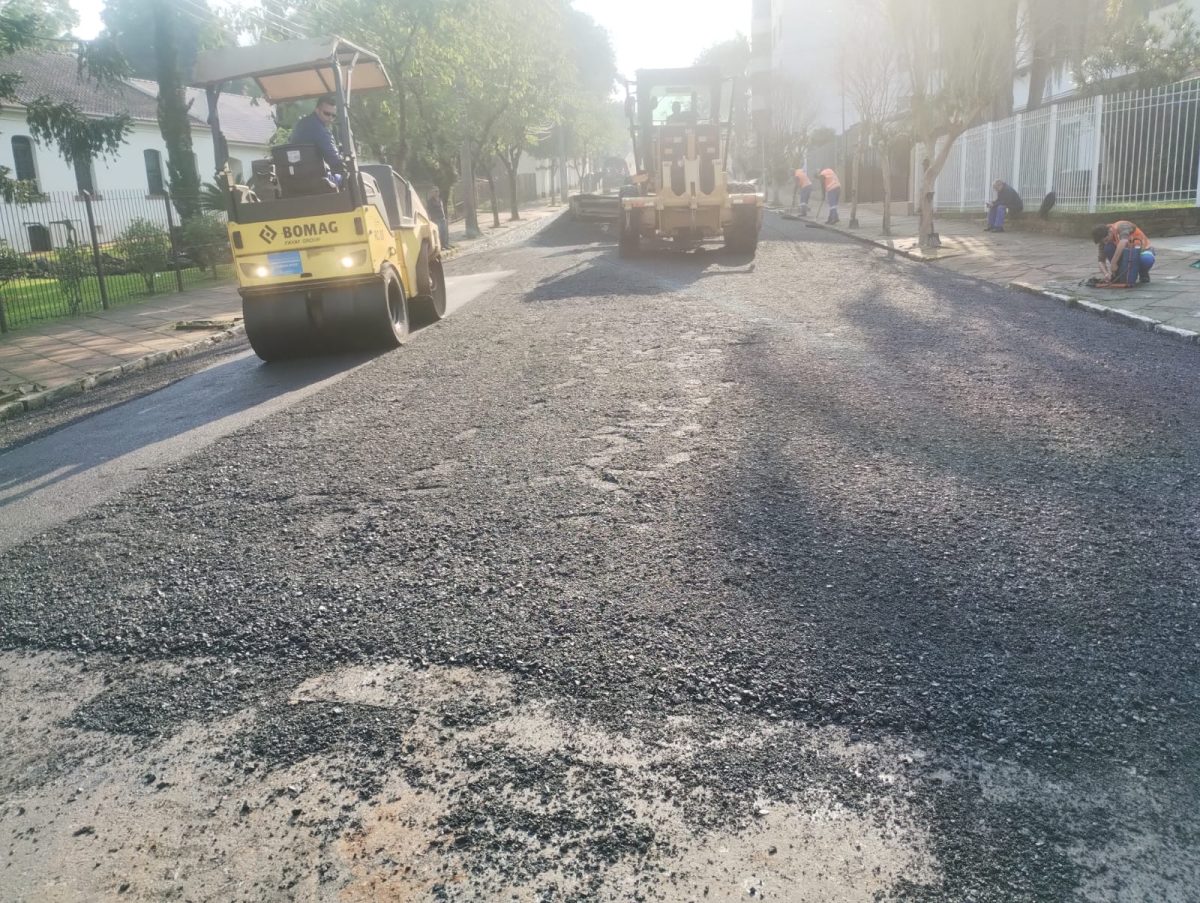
(291, 70)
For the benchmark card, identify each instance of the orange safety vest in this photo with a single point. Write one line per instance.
(1137, 238)
(802, 179)
(830, 178)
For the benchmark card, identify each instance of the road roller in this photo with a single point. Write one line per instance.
(325, 261)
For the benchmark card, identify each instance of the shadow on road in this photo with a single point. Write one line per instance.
(229, 391)
(602, 273)
(968, 531)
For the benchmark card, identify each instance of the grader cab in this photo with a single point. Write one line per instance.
(325, 261)
(681, 124)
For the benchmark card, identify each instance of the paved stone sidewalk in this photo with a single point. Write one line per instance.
(69, 355)
(1049, 263)
(57, 352)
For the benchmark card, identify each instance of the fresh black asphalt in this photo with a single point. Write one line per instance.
(818, 489)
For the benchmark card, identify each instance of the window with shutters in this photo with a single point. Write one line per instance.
(154, 173)
(25, 169)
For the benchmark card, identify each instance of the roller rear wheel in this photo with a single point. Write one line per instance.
(430, 305)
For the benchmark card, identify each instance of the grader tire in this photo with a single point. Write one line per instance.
(741, 236)
(628, 240)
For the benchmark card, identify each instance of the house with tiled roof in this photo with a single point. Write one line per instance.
(141, 161)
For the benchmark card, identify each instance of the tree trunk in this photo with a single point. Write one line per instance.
(172, 114)
(1039, 74)
(514, 200)
(928, 240)
(855, 174)
(492, 193)
(886, 168)
(467, 178)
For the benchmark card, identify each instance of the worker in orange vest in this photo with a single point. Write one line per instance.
(1124, 253)
(804, 186)
(831, 188)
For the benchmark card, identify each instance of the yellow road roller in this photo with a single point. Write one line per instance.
(326, 261)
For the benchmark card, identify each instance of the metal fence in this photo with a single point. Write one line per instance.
(1136, 149)
(67, 253)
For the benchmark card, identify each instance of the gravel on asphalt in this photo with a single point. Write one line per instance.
(817, 532)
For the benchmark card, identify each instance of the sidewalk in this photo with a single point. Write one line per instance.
(1052, 266)
(58, 358)
(459, 242)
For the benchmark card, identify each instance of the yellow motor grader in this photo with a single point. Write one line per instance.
(323, 263)
(682, 191)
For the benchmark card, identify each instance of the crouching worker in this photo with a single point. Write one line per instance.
(1007, 200)
(1124, 253)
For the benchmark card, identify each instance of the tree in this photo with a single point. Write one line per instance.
(75, 135)
(586, 88)
(55, 18)
(1131, 51)
(206, 241)
(958, 58)
(872, 80)
(1053, 35)
(161, 39)
(791, 131)
(146, 248)
(425, 45)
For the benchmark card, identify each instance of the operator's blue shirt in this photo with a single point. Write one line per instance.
(311, 130)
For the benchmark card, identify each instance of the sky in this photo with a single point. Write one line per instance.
(646, 34)
(89, 17)
(661, 34)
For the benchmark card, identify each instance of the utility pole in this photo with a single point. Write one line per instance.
(467, 166)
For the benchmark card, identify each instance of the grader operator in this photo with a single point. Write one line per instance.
(682, 191)
(325, 262)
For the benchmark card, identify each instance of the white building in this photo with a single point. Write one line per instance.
(137, 169)
(1060, 83)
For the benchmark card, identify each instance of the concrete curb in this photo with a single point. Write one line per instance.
(38, 400)
(1113, 313)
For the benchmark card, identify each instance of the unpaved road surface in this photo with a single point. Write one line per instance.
(817, 577)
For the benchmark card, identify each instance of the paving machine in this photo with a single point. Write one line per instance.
(323, 264)
(682, 191)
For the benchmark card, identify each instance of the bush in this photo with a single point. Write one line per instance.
(71, 266)
(146, 248)
(205, 241)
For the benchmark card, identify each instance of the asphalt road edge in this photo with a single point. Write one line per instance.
(37, 400)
